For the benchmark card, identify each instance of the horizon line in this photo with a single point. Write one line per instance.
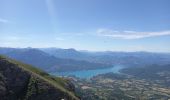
(85, 50)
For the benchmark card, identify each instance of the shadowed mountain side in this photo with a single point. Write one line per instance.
(20, 81)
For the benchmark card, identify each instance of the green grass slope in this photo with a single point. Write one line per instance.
(36, 75)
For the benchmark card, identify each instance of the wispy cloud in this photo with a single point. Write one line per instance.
(130, 34)
(3, 20)
(115, 34)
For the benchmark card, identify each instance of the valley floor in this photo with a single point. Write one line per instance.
(113, 86)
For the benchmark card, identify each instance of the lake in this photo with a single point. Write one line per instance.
(90, 73)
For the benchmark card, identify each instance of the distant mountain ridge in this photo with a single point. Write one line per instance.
(57, 59)
(49, 62)
(110, 57)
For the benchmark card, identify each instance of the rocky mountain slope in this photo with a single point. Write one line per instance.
(20, 81)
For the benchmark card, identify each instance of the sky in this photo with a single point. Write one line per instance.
(95, 25)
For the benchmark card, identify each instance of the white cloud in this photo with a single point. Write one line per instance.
(130, 34)
(3, 20)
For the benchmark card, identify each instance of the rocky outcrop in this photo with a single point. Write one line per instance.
(17, 83)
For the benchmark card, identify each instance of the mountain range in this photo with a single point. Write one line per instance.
(49, 62)
(62, 60)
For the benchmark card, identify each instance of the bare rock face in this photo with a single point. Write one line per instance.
(19, 84)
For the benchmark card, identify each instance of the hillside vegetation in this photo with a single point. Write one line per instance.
(20, 81)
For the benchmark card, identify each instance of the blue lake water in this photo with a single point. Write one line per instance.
(90, 73)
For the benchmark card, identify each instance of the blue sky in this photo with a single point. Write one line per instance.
(96, 25)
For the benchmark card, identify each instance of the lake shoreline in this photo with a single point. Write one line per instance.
(87, 74)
